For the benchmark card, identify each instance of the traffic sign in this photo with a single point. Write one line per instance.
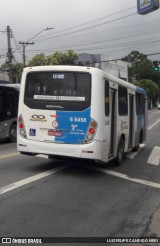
(147, 6)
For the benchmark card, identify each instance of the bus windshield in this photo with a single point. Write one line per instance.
(58, 90)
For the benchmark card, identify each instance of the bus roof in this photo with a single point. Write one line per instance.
(15, 86)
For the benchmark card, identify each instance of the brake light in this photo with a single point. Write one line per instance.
(91, 131)
(21, 126)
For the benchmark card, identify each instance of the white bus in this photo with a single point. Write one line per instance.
(82, 112)
(9, 94)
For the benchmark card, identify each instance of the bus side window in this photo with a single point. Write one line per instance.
(140, 104)
(11, 105)
(2, 106)
(123, 101)
(107, 98)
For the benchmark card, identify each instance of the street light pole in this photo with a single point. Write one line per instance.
(24, 44)
(46, 29)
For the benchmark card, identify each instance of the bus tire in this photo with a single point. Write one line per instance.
(120, 152)
(13, 133)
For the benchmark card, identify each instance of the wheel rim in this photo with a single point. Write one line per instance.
(13, 133)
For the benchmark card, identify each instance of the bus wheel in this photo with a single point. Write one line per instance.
(120, 152)
(13, 133)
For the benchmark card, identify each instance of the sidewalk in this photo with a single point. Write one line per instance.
(152, 110)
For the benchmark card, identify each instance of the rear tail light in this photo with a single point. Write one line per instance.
(90, 135)
(21, 127)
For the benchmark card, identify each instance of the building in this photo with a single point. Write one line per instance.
(88, 59)
(117, 68)
(4, 77)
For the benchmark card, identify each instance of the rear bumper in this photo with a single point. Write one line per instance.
(88, 151)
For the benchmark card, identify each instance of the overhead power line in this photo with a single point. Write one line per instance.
(87, 23)
(90, 27)
(90, 22)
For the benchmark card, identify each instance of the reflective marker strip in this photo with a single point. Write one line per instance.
(29, 180)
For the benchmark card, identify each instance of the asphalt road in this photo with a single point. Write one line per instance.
(45, 198)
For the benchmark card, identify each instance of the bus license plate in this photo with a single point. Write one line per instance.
(54, 133)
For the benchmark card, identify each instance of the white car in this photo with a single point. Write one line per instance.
(158, 106)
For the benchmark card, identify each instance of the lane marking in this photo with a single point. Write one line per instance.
(150, 127)
(132, 154)
(124, 176)
(29, 180)
(154, 157)
(9, 155)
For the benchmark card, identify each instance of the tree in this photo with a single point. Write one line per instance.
(58, 58)
(152, 89)
(16, 71)
(62, 58)
(144, 70)
(134, 56)
(37, 60)
(141, 67)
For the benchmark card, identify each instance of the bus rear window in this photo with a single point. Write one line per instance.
(64, 89)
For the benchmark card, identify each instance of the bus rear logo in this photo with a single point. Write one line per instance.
(39, 118)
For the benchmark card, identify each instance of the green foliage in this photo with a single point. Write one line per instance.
(62, 58)
(17, 68)
(58, 58)
(134, 56)
(37, 60)
(16, 71)
(153, 90)
(141, 67)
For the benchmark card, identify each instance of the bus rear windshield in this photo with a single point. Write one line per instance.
(58, 90)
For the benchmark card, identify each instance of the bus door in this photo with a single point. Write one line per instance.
(130, 121)
(112, 120)
(8, 109)
(2, 114)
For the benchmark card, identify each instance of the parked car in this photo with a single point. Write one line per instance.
(158, 106)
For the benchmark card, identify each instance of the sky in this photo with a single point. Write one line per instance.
(109, 27)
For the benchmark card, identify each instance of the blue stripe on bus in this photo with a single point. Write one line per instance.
(141, 90)
(73, 126)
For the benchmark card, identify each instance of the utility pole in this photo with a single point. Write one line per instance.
(24, 44)
(24, 55)
(9, 54)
